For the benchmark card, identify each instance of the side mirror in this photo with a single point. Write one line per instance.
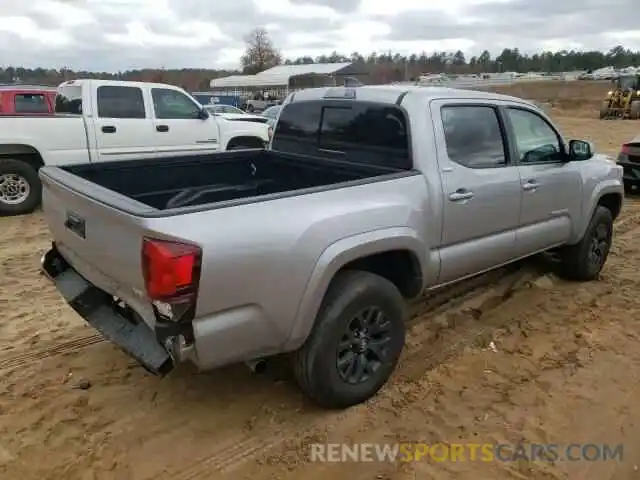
(203, 114)
(580, 150)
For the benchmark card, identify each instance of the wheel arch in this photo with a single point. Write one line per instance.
(371, 251)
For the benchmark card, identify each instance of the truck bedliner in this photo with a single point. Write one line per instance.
(197, 180)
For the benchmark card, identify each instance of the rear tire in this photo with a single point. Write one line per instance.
(20, 187)
(355, 343)
(584, 260)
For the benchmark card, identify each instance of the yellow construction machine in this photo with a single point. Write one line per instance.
(624, 100)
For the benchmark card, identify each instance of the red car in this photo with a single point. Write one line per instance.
(27, 100)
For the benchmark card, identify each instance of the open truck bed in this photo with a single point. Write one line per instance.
(173, 183)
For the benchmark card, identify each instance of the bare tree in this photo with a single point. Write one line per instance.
(260, 53)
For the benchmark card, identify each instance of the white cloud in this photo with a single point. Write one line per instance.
(27, 29)
(120, 34)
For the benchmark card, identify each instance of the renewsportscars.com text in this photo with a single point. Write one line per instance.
(466, 452)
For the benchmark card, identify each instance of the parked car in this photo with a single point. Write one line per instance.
(220, 109)
(259, 103)
(26, 100)
(232, 113)
(271, 114)
(103, 121)
(629, 160)
(367, 197)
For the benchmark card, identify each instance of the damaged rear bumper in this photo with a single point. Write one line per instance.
(118, 324)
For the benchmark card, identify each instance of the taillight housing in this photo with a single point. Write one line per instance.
(171, 275)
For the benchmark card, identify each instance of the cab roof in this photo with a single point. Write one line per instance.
(396, 93)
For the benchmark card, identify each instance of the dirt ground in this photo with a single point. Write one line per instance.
(564, 367)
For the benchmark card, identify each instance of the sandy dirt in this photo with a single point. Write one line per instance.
(565, 368)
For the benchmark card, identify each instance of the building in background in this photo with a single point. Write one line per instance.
(260, 91)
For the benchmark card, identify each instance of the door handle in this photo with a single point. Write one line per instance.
(162, 128)
(460, 195)
(530, 185)
(108, 129)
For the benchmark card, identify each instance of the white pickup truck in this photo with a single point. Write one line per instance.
(104, 120)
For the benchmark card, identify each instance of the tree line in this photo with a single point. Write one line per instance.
(261, 54)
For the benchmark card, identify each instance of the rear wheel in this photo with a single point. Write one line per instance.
(20, 187)
(355, 343)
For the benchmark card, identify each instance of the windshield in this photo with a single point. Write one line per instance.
(628, 82)
(271, 112)
(223, 109)
(69, 100)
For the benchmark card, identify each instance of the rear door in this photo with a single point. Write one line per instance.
(178, 127)
(481, 187)
(123, 124)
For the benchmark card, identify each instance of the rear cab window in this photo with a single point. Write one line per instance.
(361, 132)
(69, 100)
(31, 103)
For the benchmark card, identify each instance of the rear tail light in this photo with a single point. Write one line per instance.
(171, 275)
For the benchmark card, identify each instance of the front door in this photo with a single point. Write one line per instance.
(179, 128)
(482, 191)
(551, 186)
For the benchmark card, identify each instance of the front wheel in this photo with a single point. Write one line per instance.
(584, 260)
(355, 343)
(20, 187)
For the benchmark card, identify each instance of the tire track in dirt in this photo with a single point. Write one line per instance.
(71, 346)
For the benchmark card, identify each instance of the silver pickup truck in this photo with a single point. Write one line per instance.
(366, 197)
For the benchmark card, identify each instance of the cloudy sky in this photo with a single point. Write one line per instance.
(121, 34)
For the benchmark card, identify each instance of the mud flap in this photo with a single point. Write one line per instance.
(100, 311)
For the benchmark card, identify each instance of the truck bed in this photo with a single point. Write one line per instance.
(176, 182)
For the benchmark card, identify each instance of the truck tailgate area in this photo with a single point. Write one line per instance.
(100, 237)
(95, 262)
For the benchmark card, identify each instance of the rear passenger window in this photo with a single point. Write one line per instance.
(31, 103)
(120, 102)
(367, 126)
(473, 136)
